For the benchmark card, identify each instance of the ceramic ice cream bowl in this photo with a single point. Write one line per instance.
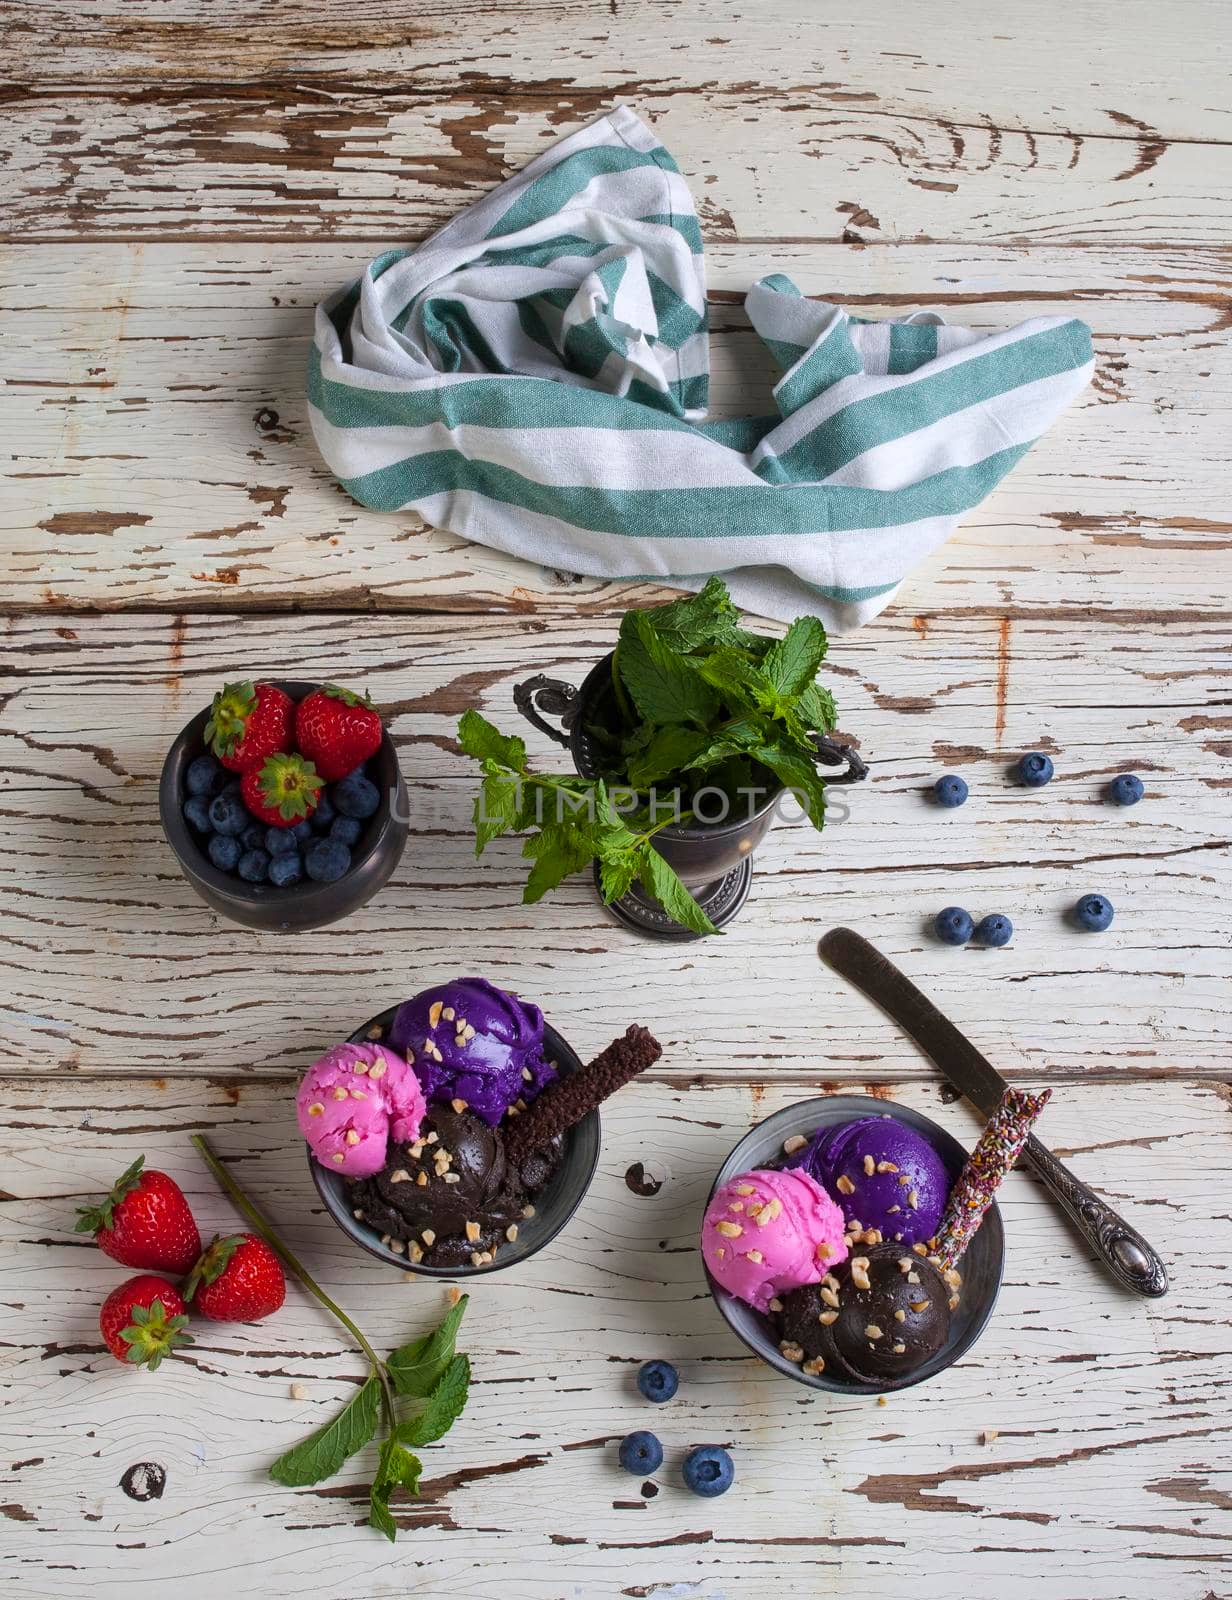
(982, 1266)
(554, 1206)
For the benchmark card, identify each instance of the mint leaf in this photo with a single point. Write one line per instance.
(617, 874)
(793, 662)
(497, 806)
(659, 880)
(816, 710)
(396, 1469)
(416, 1368)
(665, 688)
(669, 752)
(322, 1453)
(796, 772)
(480, 739)
(709, 617)
(560, 851)
(443, 1407)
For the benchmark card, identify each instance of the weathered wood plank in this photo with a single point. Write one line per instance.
(310, 122)
(161, 455)
(113, 964)
(1109, 1472)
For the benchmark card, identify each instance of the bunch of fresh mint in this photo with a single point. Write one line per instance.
(697, 701)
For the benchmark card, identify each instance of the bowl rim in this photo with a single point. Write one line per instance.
(369, 1240)
(306, 893)
(857, 1105)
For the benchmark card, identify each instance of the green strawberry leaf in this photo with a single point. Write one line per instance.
(664, 687)
(442, 1408)
(92, 1218)
(478, 738)
(323, 1453)
(659, 880)
(793, 662)
(416, 1368)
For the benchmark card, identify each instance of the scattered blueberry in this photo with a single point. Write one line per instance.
(1035, 769)
(356, 796)
(658, 1380)
(284, 870)
(224, 851)
(254, 866)
(302, 829)
(346, 829)
(327, 860)
(641, 1453)
(994, 930)
(227, 814)
(197, 812)
(708, 1470)
(951, 790)
(1093, 912)
(953, 925)
(280, 841)
(324, 813)
(253, 837)
(205, 776)
(1126, 790)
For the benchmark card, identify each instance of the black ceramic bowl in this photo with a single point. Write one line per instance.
(300, 905)
(554, 1205)
(981, 1267)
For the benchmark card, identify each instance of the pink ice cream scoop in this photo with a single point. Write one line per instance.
(766, 1233)
(353, 1101)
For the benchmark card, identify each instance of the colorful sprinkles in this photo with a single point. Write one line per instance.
(984, 1171)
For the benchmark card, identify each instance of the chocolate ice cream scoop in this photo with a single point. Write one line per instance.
(875, 1319)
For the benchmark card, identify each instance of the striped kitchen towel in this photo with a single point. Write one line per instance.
(535, 377)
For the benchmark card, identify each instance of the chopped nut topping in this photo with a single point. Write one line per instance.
(920, 1305)
(398, 1246)
(989, 1434)
(422, 1180)
(358, 1094)
(358, 1215)
(729, 1230)
(473, 1230)
(511, 1232)
(913, 1199)
(953, 1302)
(428, 1237)
(859, 1272)
(745, 1188)
(900, 1349)
(298, 1392)
(339, 1093)
(872, 1331)
(776, 1304)
(458, 1105)
(796, 1142)
(527, 1075)
(737, 1208)
(431, 1049)
(432, 1137)
(953, 1278)
(900, 1315)
(920, 1249)
(872, 1236)
(913, 1277)
(827, 1317)
(338, 1157)
(434, 1012)
(417, 1150)
(904, 1263)
(793, 1352)
(755, 1256)
(401, 1176)
(375, 1031)
(824, 1250)
(359, 1066)
(844, 1184)
(476, 1258)
(448, 1014)
(813, 1367)
(528, 1211)
(720, 1253)
(378, 1069)
(451, 1177)
(886, 1166)
(468, 1033)
(831, 1282)
(870, 1166)
(904, 1182)
(316, 1109)
(892, 1210)
(829, 1297)
(769, 1211)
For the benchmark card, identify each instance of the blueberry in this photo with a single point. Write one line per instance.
(1093, 912)
(205, 776)
(327, 860)
(994, 930)
(356, 796)
(346, 829)
(197, 812)
(285, 870)
(280, 841)
(227, 813)
(253, 837)
(1035, 769)
(254, 866)
(658, 1380)
(953, 925)
(641, 1453)
(708, 1470)
(302, 829)
(224, 851)
(324, 813)
(1126, 790)
(950, 790)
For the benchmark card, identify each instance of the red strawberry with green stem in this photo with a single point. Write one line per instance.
(144, 1221)
(143, 1320)
(238, 1279)
(248, 722)
(337, 730)
(282, 790)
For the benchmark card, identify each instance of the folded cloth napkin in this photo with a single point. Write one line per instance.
(535, 376)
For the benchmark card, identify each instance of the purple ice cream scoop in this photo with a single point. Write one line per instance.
(469, 1040)
(882, 1173)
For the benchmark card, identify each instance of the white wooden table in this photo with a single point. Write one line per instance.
(186, 180)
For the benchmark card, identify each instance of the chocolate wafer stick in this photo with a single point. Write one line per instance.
(567, 1100)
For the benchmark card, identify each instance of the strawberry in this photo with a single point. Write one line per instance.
(238, 1279)
(281, 790)
(249, 722)
(336, 730)
(144, 1222)
(142, 1320)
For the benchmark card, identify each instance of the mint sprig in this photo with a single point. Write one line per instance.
(700, 702)
(427, 1371)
